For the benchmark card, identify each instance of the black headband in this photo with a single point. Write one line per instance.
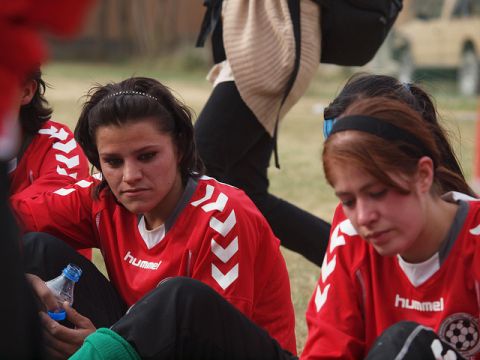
(378, 128)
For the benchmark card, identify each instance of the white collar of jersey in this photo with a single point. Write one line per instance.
(420, 272)
(151, 237)
(455, 196)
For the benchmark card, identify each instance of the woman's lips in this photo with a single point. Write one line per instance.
(377, 237)
(133, 192)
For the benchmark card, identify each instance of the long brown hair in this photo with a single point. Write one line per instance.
(381, 157)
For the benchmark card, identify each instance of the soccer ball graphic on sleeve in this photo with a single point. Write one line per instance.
(461, 331)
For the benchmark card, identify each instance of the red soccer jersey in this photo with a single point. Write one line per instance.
(219, 238)
(53, 159)
(361, 293)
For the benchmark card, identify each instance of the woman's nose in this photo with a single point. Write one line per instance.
(131, 172)
(366, 213)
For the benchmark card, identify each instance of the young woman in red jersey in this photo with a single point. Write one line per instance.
(48, 156)
(398, 248)
(153, 216)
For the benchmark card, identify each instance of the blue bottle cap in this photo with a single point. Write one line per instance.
(72, 272)
(57, 315)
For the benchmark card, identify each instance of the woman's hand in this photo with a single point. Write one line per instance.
(47, 300)
(60, 341)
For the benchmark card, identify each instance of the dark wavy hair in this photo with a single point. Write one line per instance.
(364, 86)
(118, 104)
(38, 110)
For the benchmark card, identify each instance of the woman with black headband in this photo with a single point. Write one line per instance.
(398, 249)
(364, 86)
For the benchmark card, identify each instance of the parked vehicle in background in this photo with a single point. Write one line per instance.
(443, 34)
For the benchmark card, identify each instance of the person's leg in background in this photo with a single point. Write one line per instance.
(94, 296)
(236, 149)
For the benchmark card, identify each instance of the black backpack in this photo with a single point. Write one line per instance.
(353, 30)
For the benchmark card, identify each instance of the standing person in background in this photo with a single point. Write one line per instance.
(266, 53)
(49, 156)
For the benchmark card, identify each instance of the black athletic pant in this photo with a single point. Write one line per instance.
(186, 319)
(21, 336)
(180, 319)
(236, 149)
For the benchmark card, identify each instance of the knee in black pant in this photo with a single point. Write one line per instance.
(46, 255)
(161, 318)
(178, 294)
(175, 301)
(38, 241)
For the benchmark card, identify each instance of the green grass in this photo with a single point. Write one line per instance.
(300, 179)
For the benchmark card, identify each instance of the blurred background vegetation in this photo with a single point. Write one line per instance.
(156, 38)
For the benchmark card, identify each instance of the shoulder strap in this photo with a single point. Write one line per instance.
(294, 7)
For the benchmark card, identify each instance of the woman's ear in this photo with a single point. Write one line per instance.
(28, 91)
(425, 174)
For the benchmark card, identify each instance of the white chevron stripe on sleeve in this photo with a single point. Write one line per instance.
(63, 191)
(475, 230)
(225, 254)
(62, 171)
(208, 196)
(321, 297)
(219, 204)
(65, 147)
(84, 183)
(223, 228)
(328, 267)
(336, 239)
(225, 280)
(52, 130)
(70, 162)
(347, 228)
(55, 133)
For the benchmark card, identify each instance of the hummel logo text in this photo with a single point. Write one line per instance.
(417, 305)
(141, 263)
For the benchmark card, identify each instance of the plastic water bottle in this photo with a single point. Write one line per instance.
(62, 287)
